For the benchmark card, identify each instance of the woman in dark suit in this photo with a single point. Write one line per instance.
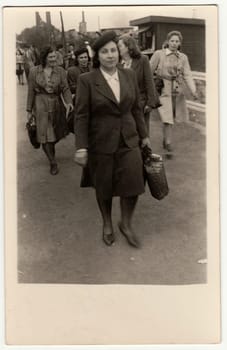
(131, 57)
(82, 65)
(109, 129)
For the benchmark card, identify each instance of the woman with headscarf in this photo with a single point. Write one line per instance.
(45, 85)
(109, 131)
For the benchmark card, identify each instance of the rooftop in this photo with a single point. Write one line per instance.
(165, 19)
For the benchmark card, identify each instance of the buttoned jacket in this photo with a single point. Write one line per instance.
(100, 121)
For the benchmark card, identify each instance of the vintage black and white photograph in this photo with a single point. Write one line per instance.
(95, 129)
(111, 161)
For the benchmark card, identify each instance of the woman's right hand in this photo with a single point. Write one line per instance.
(81, 157)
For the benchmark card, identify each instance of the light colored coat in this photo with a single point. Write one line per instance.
(165, 65)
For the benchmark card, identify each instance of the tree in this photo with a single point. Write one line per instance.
(40, 36)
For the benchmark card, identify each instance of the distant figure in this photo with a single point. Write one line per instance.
(60, 56)
(46, 83)
(172, 67)
(70, 57)
(81, 65)
(131, 57)
(29, 59)
(90, 51)
(20, 65)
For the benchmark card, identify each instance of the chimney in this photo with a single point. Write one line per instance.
(48, 19)
(37, 19)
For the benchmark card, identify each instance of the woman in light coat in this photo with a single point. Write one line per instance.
(172, 66)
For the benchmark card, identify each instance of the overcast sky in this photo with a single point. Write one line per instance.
(106, 16)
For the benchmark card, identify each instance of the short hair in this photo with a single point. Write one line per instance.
(44, 53)
(95, 58)
(174, 32)
(133, 48)
(79, 52)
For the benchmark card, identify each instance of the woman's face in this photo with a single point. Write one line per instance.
(174, 42)
(108, 56)
(83, 59)
(122, 48)
(51, 59)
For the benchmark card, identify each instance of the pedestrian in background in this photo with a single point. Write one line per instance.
(60, 55)
(109, 129)
(46, 83)
(20, 65)
(81, 65)
(70, 56)
(29, 59)
(131, 57)
(172, 67)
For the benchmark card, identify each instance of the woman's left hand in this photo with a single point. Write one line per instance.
(69, 108)
(146, 142)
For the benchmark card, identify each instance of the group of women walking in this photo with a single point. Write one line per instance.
(112, 98)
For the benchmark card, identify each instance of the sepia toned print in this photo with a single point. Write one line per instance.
(65, 240)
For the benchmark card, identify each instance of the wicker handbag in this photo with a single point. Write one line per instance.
(154, 174)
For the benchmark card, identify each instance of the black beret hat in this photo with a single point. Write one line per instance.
(80, 50)
(104, 39)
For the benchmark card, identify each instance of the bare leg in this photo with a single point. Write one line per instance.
(167, 137)
(128, 205)
(167, 133)
(105, 206)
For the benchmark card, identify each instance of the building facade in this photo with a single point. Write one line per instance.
(153, 30)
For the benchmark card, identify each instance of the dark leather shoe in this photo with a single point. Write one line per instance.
(130, 236)
(108, 239)
(54, 169)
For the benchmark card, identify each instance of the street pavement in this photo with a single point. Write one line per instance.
(60, 229)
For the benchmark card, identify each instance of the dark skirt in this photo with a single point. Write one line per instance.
(119, 174)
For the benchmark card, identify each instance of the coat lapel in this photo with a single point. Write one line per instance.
(103, 87)
(123, 84)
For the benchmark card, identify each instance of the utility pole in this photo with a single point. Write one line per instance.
(63, 33)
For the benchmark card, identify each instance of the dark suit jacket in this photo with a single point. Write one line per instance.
(73, 75)
(148, 93)
(100, 119)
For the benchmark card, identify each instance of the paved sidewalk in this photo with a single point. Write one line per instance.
(59, 225)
